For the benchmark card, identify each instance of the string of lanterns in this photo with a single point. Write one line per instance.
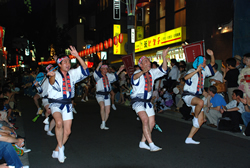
(99, 47)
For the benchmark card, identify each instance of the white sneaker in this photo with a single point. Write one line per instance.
(196, 122)
(155, 148)
(191, 141)
(105, 128)
(26, 150)
(113, 106)
(38, 110)
(86, 98)
(50, 133)
(74, 110)
(102, 126)
(83, 100)
(55, 155)
(143, 145)
(46, 127)
(61, 157)
(46, 121)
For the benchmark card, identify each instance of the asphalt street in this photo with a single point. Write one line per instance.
(89, 146)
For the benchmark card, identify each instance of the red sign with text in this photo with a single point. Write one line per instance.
(193, 50)
(129, 64)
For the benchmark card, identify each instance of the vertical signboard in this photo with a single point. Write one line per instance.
(139, 33)
(116, 32)
(116, 10)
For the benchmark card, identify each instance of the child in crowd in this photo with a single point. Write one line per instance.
(234, 109)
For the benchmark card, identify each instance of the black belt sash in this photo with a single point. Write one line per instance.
(64, 102)
(103, 93)
(145, 101)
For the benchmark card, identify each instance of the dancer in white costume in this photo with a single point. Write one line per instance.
(42, 89)
(62, 90)
(103, 88)
(142, 81)
(192, 90)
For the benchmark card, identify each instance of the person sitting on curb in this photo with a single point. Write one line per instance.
(233, 110)
(217, 101)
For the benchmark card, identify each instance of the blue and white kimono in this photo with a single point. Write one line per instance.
(139, 96)
(57, 96)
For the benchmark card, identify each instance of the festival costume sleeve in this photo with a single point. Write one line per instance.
(97, 75)
(209, 70)
(78, 74)
(158, 72)
(137, 81)
(112, 77)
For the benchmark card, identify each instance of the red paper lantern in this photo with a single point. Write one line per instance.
(110, 42)
(97, 48)
(87, 52)
(115, 40)
(93, 49)
(120, 38)
(106, 44)
(84, 52)
(100, 46)
(90, 50)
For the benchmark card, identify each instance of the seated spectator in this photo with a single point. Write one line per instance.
(178, 91)
(9, 154)
(182, 71)
(164, 101)
(206, 99)
(231, 76)
(213, 112)
(217, 78)
(234, 109)
(244, 77)
(246, 115)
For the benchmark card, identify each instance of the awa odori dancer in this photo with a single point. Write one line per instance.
(42, 88)
(142, 82)
(103, 87)
(193, 89)
(62, 89)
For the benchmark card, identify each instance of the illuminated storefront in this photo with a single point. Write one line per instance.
(152, 47)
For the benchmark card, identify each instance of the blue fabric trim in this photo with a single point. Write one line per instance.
(56, 88)
(98, 73)
(132, 81)
(116, 76)
(85, 72)
(162, 70)
(188, 83)
(211, 69)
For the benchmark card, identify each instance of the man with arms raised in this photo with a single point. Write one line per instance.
(142, 81)
(61, 91)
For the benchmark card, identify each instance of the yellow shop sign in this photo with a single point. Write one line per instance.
(163, 39)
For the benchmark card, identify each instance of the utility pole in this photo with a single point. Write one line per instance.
(130, 45)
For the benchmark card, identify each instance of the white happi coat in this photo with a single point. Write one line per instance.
(191, 84)
(42, 88)
(139, 85)
(112, 77)
(56, 90)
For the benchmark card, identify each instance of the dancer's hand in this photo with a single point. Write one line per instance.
(50, 74)
(73, 51)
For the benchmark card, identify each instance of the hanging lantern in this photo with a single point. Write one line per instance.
(84, 52)
(115, 40)
(87, 51)
(110, 43)
(106, 44)
(100, 46)
(97, 48)
(90, 50)
(120, 38)
(93, 49)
